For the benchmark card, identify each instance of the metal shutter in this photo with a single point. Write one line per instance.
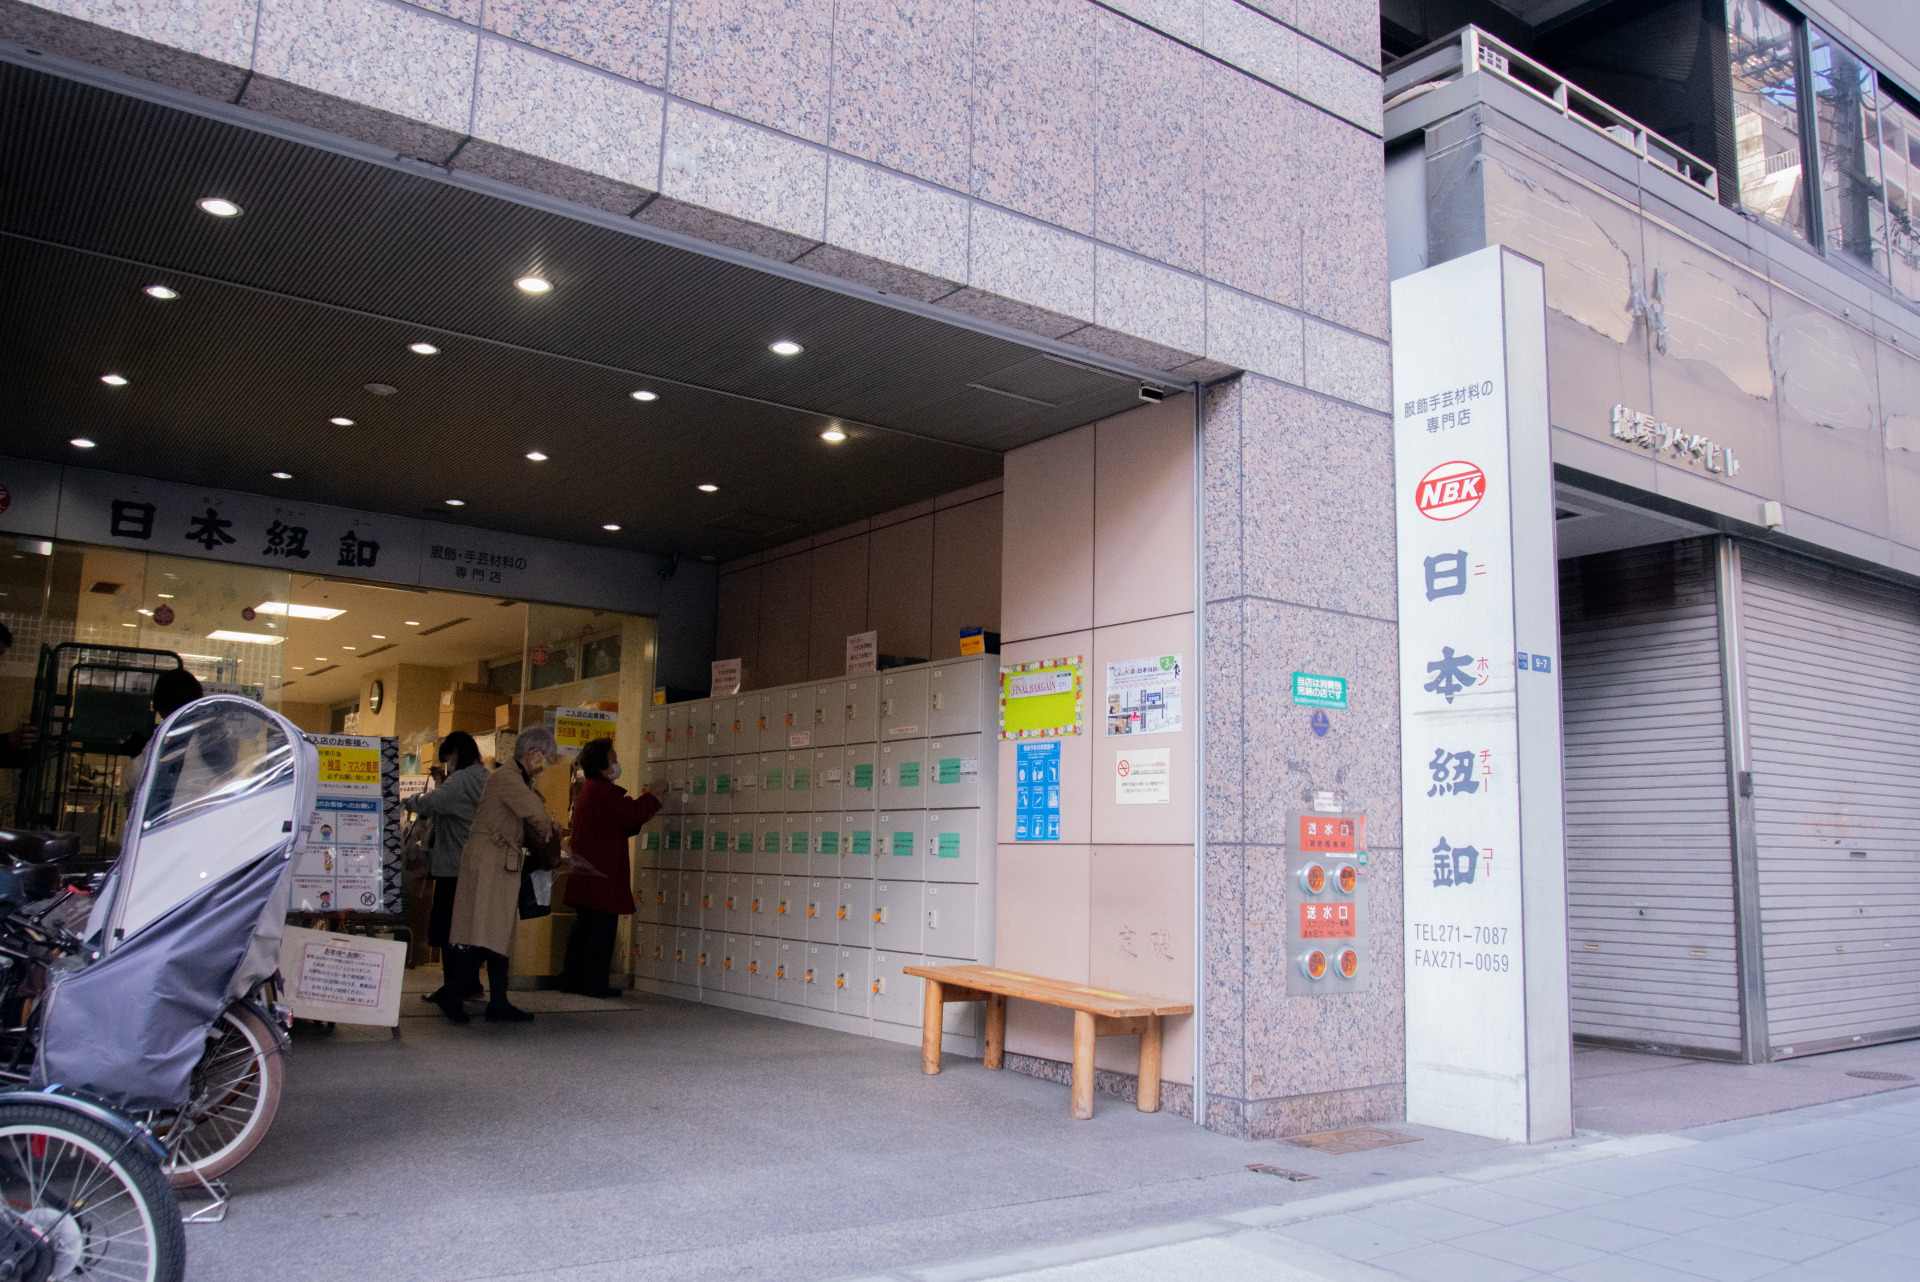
(1650, 917)
(1833, 708)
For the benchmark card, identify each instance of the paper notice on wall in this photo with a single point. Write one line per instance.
(1143, 776)
(1143, 695)
(1036, 814)
(726, 678)
(346, 979)
(574, 728)
(863, 654)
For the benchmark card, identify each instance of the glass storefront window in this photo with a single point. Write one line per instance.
(1762, 47)
(1852, 204)
(1900, 165)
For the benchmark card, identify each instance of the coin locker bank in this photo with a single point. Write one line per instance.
(817, 837)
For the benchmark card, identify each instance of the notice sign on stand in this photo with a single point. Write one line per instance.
(351, 860)
(345, 979)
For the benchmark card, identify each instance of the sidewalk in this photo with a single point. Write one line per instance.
(1825, 1194)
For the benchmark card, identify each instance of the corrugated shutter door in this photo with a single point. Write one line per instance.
(1833, 711)
(1650, 917)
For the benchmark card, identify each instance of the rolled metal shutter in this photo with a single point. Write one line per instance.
(1650, 916)
(1833, 713)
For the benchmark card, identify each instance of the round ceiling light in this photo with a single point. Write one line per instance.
(533, 284)
(708, 489)
(381, 389)
(644, 395)
(161, 291)
(220, 207)
(283, 476)
(536, 456)
(113, 380)
(81, 443)
(833, 435)
(423, 349)
(340, 420)
(456, 502)
(785, 347)
(610, 527)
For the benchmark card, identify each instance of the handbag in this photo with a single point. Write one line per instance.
(543, 851)
(415, 845)
(530, 905)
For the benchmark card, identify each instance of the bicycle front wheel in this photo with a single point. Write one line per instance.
(102, 1205)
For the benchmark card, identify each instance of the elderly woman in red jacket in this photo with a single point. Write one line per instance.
(604, 819)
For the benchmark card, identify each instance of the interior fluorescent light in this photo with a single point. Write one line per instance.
(341, 422)
(81, 443)
(536, 456)
(257, 638)
(161, 291)
(534, 284)
(283, 476)
(610, 527)
(220, 207)
(297, 611)
(785, 347)
(644, 395)
(423, 349)
(833, 435)
(708, 489)
(114, 380)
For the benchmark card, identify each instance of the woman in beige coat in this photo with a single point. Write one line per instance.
(486, 907)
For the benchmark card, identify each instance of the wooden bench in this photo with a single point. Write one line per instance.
(1097, 1012)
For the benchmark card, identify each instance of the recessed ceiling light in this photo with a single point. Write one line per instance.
(147, 612)
(319, 658)
(785, 347)
(220, 207)
(536, 456)
(609, 526)
(114, 380)
(297, 611)
(423, 349)
(161, 291)
(298, 668)
(81, 443)
(379, 637)
(164, 596)
(257, 638)
(283, 476)
(708, 489)
(381, 389)
(644, 395)
(534, 284)
(834, 435)
(129, 625)
(456, 502)
(413, 623)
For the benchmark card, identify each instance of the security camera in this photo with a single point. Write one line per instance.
(1153, 394)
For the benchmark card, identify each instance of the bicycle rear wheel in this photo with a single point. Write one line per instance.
(236, 1092)
(103, 1205)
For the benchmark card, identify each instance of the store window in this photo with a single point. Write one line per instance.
(1900, 166)
(1763, 48)
(1846, 110)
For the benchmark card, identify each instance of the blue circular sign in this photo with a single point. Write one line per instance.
(1321, 723)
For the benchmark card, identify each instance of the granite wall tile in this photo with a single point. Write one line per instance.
(1138, 351)
(1004, 311)
(734, 169)
(1225, 974)
(556, 127)
(371, 54)
(1344, 259)
(1253, 207)
(467, 11)
(218, 29)
(1325, 1111)
(626, 37)
(1035, 72)
(1253, 42)
(1351, 26)
(1178, 18)
(1341, 85)
(895, 220)
(769, 61)
(1030, 262)
(1138, 297)
(150, 57)
(1324, 533)
(1253, 335)
(902, 85)
(1220, 450)
(1350, 366)
(1226, 721)
(1359, 759)
(1150, 143)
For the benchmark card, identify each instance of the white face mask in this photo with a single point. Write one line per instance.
(613, 771)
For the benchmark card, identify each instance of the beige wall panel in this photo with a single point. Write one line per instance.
(1041, 908)
(786, 619)
(314, 718)
(1047, 545)
(1142, 824)
(839, 607)
(1140, 940)
(737, 622)
(900, 588)
(966, 572)
(1143, 513)
(1076, 751)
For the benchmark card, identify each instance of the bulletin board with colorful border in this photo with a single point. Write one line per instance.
(1058, 711)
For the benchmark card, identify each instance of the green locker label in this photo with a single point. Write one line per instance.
(696, 839)
(829, 842)
(745, 843)
(863, 776)
(862, 843)
(949, 770)
(909, 774)
(903, 844)
(949, 846)
(719, 840)
(770, 842)
(673, 839)
(722, 785)
(699, 785)
(802, 780)
(773, 781)
(797, 842)
(653, 840)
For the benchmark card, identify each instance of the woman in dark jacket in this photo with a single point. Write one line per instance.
(604, 819)
(451, 803)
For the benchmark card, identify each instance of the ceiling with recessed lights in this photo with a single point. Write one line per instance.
(375, 332)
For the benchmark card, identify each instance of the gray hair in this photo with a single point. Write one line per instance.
(535, 739)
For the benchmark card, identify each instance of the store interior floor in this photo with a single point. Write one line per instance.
(645, 1137)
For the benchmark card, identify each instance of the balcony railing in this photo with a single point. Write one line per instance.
(1472, 50)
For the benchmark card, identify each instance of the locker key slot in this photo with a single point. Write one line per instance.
(844, 910)
(813, 910)
(933, 919)
(840, 980)
(880, 916)
(880, 986)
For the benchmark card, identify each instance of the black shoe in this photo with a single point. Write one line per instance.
(452, 1009)
(474, 993)
(507, 1013)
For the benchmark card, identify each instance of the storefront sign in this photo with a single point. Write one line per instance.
(1143, 695)
(1672, 444)
(1042, 698)
(1143, 777)
(863, 654)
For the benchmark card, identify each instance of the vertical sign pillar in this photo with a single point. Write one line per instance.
(1488, 1036)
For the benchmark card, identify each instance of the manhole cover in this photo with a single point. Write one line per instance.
(1281, 1171)
(1875, 1075)
(1356, 1139)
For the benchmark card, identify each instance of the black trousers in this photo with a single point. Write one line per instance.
(440, 923)
(590, 950)
(463, 962)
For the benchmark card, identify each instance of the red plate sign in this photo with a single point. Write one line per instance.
(1451, 490)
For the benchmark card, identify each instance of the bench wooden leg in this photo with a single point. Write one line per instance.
(996, 1030)
(1150, 1066)
(932, 1015)
(1082, 1066)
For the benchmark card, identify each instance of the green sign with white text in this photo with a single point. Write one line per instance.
(1311, 690)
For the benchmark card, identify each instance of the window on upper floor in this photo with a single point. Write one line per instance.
(1763, 48)
(1900, 166)
(1846, 108)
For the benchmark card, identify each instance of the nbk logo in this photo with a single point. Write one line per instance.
(1450, 491)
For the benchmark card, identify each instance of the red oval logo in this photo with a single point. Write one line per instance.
(163, 616)
(1450, 491)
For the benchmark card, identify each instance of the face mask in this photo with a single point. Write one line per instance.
(536, 764)
(613, 771)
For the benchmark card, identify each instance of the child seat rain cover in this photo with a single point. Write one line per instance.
(198, 902)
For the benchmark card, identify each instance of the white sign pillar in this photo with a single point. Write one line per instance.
(1488, 1037)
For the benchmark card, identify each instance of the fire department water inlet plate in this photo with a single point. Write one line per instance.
(1357, 1139)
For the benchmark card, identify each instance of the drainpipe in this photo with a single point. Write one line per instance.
(1200, 757)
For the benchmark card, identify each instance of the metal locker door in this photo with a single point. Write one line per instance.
(902, 769)
(896, 997)
(954, 690)
(820, 909)
(673, 837)
(903, 704)
(829, 771)
(852, 980)
(824, 845)
(707, 969)
(746, 783)
(653, 734)
(902, 836)
(953, 845)
(796, 846)
(790, 907)
(719, 785)
(951, 922)
(641, 945)
(760, 963)
(858, 776)
(686, 957)
(733, 964)
(800, 796)
(746, 725)
(819, 976)
(646, 895)
(796, 725)
(713, 901)
(688, 725)
(953, 771)
(763, 841)
(773, 783)
(853, 912)
(899, 915)
(647, 855)
(862, 709)
(699, 779)
(739, 904)
(830, 714)
(863, 852)
(766, 896)
(720, 736)
(789, 972)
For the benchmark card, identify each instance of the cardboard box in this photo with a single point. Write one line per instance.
(504, 717)
(475, 723)
(478, 687)
(469, 701)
